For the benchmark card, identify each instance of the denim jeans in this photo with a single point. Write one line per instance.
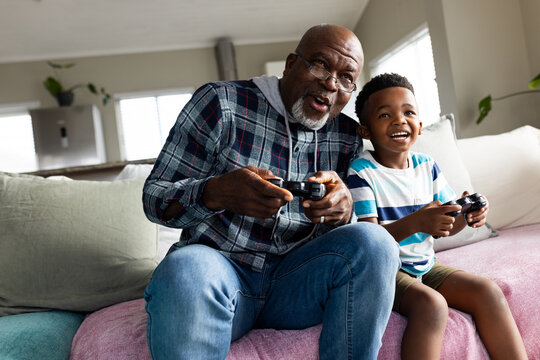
(198, 300)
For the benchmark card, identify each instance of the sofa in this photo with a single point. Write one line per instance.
(76, 255)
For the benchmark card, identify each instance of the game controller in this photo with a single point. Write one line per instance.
(307, 190)
(468, 204)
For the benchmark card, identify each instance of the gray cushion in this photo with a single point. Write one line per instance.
(72, 245)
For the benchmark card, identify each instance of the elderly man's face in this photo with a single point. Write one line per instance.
(310, 100)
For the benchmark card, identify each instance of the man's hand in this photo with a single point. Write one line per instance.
(336, 206)
(246, 192)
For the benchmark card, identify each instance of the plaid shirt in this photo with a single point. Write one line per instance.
(227, 126)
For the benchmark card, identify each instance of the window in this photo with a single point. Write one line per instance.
(274, 68)
(414, 60)
(17, 151)
(146, 120)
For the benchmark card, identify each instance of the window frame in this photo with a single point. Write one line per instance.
(136, 95)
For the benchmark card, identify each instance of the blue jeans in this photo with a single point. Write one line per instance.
(198, 300)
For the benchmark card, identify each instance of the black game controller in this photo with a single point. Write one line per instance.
(468, 204)
(307, 190)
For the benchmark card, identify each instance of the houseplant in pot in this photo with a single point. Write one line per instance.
(65, 95)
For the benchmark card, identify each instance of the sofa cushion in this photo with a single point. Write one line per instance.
(166, 235)
(507, 171)
(439, 140)
(116, 332)
(72, 245)
(511, 261)
(43, 335)
(119, 332)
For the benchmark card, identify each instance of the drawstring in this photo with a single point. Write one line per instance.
(289, 137)
(288, 177)
(316, 152)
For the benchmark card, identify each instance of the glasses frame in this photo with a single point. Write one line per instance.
(323, 74)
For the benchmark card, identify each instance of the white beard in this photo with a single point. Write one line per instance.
(300, 117)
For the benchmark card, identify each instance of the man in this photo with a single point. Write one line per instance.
(251, 254)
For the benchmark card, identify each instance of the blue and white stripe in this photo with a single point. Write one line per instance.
(390, 194)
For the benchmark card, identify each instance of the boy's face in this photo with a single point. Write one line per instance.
(391, 120)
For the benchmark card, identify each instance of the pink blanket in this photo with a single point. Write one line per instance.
(511, 260)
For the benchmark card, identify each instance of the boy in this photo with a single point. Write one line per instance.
(404, 192)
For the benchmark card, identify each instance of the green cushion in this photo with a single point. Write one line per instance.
(72, 245)
(42, 335)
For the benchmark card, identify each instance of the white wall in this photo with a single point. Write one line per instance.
(489, 55)
(21, 82)
(530, 10)
(480, 47)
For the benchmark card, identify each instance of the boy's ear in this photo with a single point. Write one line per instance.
(420, 128)
(364, 132)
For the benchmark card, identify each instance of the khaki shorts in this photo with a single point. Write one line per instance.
(433, 278)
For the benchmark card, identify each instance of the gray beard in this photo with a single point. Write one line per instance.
(300, 117)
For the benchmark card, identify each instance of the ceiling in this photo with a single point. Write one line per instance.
(56, 29)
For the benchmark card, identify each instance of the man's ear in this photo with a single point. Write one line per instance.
(289, 62)
(364, 132)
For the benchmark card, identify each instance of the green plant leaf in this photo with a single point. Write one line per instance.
(484, 106)
(534, 83)
(92, 88)
(53, 86)
(106, 99)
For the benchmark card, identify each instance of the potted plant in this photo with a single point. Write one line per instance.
(64, 96)
(484, 106)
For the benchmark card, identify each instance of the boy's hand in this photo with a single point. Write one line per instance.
(336, 206)
(432, 219)
(479, 217)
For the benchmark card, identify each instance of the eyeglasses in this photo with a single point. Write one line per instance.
(342, 83)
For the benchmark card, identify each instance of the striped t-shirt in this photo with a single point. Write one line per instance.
(390, 194)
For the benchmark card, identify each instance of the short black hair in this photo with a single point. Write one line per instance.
(377, 83)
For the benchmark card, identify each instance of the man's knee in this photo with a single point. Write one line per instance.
(373, 244)
(189, 270)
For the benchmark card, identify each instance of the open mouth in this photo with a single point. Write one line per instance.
(321, 100)
(400, 135)
(320, 103)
